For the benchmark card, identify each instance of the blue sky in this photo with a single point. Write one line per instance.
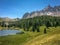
(17, 8)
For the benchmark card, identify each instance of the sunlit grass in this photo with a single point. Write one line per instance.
(22, 39)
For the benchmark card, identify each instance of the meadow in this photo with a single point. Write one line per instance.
(52, 37)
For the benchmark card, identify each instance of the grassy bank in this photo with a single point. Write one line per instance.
(31, 38)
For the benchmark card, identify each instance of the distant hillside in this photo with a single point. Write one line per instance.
(49, 10)
(8, 19)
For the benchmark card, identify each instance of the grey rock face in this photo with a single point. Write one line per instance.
(49, 10)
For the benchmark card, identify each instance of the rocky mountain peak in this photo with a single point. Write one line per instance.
(26, 14)
(48, 10)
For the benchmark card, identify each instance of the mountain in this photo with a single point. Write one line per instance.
(8, 19)
(49, 10)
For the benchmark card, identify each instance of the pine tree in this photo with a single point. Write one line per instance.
(45, 31)
(38, 29)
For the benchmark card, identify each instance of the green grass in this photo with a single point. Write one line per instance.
(53, 34)
(18, 39)
(53, 41)
(29, 38)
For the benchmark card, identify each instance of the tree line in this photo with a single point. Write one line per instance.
(35, 23)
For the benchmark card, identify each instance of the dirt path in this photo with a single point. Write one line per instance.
(41, 39)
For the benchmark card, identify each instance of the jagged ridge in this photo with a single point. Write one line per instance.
(49, 10)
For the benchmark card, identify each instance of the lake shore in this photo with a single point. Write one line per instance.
(23, 39)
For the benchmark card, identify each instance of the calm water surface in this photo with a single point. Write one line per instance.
(8, 32)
